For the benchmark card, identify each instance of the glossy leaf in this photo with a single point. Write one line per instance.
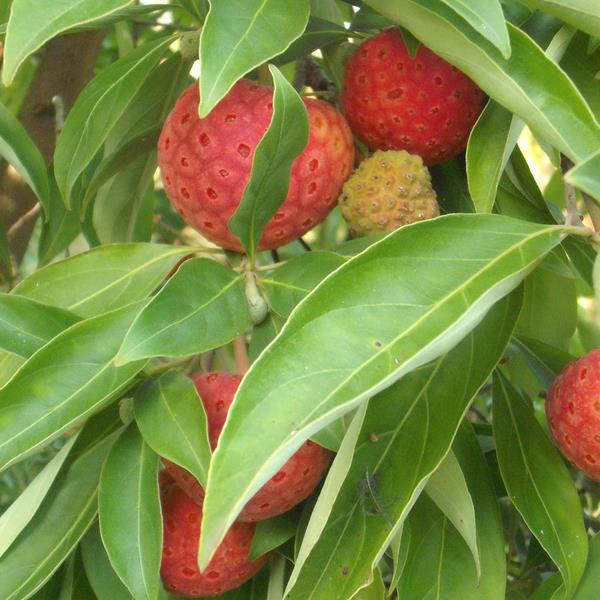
(448, 489)
(582, 14)
(58, 525)
(22, 510)
(202, 306)
(98, 109)
(585, 176)
(30, 26)
(26, 325)
(444, 282)
(172, 420)
(19, 151)
(129, 514)
(385, 479)
(490, 145)
(65, 381)
(231, 47)
(103, 579)
(283, 141)
(287, 285)
(538, 482)
(102, 279)
(521, 84)
(486, 18)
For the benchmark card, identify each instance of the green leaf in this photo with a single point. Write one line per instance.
(582, 14)
(26, 325)
(400, 445)
(238, 36)
(447, 273)
(103, 579)
(58, 525)
(262, 335)
(22, 510)
(30, 26)
(65, 381)
(521, 84)
(545, 361)
(102, 279)
(287, 285)
(374, 591)
(590, 581)
(486, 17)
(585, 176)
(270, 534)
(538, 483)
(17, 148)
(448, 488)
(98, 109)
(129, 514)
(202, 306)
(172, 420)
(490, 145)
(283, 141)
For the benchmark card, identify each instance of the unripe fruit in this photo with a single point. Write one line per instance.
(423, 104)
(573, 411)
(228, 569)
(206, 163)
(387, 190)
(289, 486)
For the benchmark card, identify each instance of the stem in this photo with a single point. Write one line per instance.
(304, 244)
(32, 213)
(241, 354)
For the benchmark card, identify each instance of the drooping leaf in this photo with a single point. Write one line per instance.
(538, 483)
(19, 151)
(231, 47)
(26, 325)
(129, 514)
(407, 432)
(31, 25)
(202, 306)
(172, 420)
(98, 109)
(68, 379)
(448, 272)
(521, 83)
(58, 525)
(585, 176)
(267, 188)
(102, 279)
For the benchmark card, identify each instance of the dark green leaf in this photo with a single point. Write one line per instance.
(202, 306)
(270, 534)
(231, 47)
(546, 361)
(171, 418)
(582, 14)
(129, 513)
(263, 334)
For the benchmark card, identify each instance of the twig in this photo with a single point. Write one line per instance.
(241, 354)
(31, 214)
(304, 245)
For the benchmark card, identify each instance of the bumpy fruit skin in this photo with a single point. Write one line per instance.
(422, 104)
(389, 189)
(206, 163)
(573, 411)
(289, 486)
(228, 569)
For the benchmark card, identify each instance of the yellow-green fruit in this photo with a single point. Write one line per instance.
(389, 189)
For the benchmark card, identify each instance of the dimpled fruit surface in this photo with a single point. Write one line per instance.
(206, 163)
(573, 411)
(290, 485)
(422, 105)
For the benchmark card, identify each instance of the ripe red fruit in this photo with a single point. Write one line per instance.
(206, 163)
(229, 567)
(573, 411)
(289, 486)
(423, 105)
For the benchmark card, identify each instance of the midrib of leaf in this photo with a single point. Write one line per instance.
(564, 568)
(139, 521)
(56, 549)
(284, 285)
(185, 318)
(438, 579)
(21, 331)
(234, 49)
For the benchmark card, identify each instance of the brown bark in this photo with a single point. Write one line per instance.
(66, 65)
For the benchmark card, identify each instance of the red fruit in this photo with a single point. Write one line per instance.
(229, 567)
(573, 411)
(206, 163)
(423, 105)
(289, 486)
